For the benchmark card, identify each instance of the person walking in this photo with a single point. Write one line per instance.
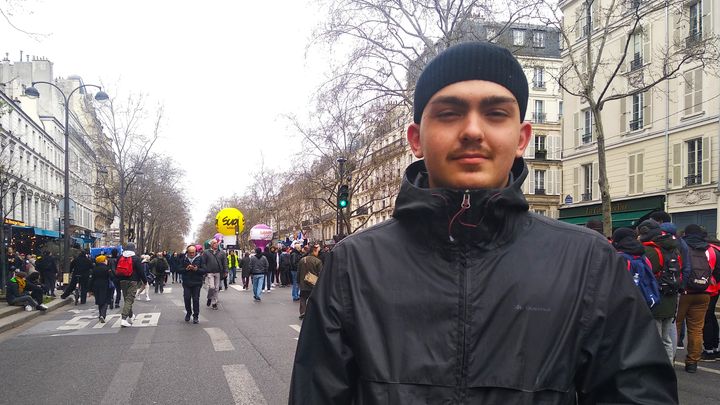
(258, 267)
(474, 299)
(47, 266)
(159, 266)
(103, 286)
(192, 273)
(295, 256)
(214, 264)
(309, 269)
(80, 269)
(245, 270)
(284, 267)
(233, 264)
(272, 266)
(129, 272)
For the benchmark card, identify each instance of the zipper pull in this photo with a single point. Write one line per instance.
(466, 200)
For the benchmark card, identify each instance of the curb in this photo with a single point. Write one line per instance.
(22, 317)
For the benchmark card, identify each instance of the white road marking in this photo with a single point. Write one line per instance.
(219, 339)
(242, 385)
(121, 387)
(143, 339)
(178, 302)
(237, 287)
(709, 370)
(297, 328)
(167, 290)
(107, 321)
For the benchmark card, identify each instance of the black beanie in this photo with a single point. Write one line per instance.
(622, 233)
(694, 229)
(471, 61)
(649, 230)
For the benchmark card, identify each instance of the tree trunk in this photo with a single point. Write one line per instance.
(602, 175)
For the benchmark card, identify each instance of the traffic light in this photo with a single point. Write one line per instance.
(343, 196)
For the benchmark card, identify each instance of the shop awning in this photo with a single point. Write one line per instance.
(46, 232)
(628, 219)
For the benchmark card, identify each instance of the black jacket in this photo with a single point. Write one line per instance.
(81, 266)
(101, 276)
(192, 278)
(258, 265)
(487, 304)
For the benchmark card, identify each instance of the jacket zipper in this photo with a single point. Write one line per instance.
(462, 394)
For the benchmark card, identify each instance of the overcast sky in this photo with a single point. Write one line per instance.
(225, 71)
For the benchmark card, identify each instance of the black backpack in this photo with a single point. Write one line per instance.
(702, 263)
(669, 276)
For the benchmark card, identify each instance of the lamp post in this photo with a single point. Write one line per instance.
(99, 96)
(340, 228)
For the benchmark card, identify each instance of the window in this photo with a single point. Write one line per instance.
(693, 92)
(541, 212)
(540, 143)
(587, 182)
(538, 39)
(637, 50)
(539, 181)
(539, 114)
(539, 77)
(490, 34)
(518, 37)
(696, 26)
(694, 162)
(587, 132)
(637, 112)
(635, 173)
(560, 109)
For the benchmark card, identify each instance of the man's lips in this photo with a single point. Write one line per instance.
(469, 158)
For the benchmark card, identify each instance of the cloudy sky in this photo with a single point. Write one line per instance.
(225, 71)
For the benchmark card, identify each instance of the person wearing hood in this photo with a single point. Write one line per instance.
(475, 299)
(661, 249)
(80, 268)
(102, 286)
(129, 272)
(694, 301)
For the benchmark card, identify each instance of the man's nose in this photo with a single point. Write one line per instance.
(473, 130)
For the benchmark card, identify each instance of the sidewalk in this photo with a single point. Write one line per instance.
(13, 316)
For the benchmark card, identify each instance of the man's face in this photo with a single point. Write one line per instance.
(469, 135)
(213, 245)
(191, 252)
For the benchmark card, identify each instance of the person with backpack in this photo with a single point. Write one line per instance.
(624, 240)
(159, 266)
(662, 251)
(129, 271)
(695, 297)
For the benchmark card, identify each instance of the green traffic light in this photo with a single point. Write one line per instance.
(342, 203)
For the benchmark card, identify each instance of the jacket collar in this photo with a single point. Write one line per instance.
(485, 218)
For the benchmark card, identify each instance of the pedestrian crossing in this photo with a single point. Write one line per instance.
(242, 385)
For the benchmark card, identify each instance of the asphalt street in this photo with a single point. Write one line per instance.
(239, 354)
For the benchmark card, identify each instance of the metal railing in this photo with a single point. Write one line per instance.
(540, 191)
(693, 39)
(636, 124)
(693, 179)
(636, 63)
(539, 117)
(586, 196)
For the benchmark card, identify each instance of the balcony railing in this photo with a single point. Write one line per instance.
(636, 124)
(586, 137)
(540, 191)
(539, 117)
(541, 154)
(586, 196)
(693, 180)
(636, 63)
(693, 39)
(538, 85)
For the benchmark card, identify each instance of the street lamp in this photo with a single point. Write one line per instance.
(99, 96)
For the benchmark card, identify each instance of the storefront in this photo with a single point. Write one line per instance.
(625, 213)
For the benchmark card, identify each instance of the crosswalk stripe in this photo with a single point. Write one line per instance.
(121, 387)
(709, 370)
(237, 287)
(219, 339)
(242, 385)
(296, 327)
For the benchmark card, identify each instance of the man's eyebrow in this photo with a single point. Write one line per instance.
(484, 103)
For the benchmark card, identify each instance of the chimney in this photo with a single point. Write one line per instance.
(21, 53)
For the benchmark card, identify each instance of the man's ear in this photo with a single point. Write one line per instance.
(413, 137)
(525, 134)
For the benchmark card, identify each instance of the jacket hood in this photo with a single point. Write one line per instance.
(128, 253)
(630, 246)
(667, 242)
(696, 241)
(486, 218)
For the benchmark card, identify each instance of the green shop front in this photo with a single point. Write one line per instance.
(625, 213)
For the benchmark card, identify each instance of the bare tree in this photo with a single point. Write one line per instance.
(597, 71)
(9, 181)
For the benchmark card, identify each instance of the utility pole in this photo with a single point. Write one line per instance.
(339, 228)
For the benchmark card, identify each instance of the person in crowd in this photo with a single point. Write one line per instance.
(258, 267)
(662, 249)
(34, 286)
(697, 287)
(103, 286)
(144, 288)
(175, 263)
(462, 284)
(295, 256)
(309, 269)
(214, 262)
(112, 262)
(284, 267)
(272, 266)
(16, 293)
(14, 263)
(160, 267)
(47, 266)
(129, 272)
(233, 264)
(30, 261)
(192, 272)
(245, 270)
(80, 268)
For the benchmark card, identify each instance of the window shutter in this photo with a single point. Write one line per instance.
(578, 22)
(621, 51)
(623, 115)
(647, 50)
(676, 160)
(706, 153)
(557, 147)
(530, 150)
(596, 185)
(526, 184)
(647, 108)
(550, 182)
(679, 28)
(688, 93)
(639, 173)
(576, 184)
(698, 86)
(532, 181)
(631, 174)
(576, 129)
(595, 15)
(707, 18)
(558, 182)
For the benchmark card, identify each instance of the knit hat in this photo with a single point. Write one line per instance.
(648, 230)
(100, 259)
(471, 61)
(669, 227)
(694, 229)
(622, 233)
(130, 246)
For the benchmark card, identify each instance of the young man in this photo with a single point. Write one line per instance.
(465, 297)
(309, 264)
(18, 292)
(129, 272)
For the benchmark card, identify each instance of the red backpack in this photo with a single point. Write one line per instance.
(124, 267)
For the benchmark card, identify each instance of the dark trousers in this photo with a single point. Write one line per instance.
(285, 277)
(711, 331)
(268, 279)
(246, 282)
(159, 283)
(192, 296)
(102, 309)
(118, 293)
(49, 283)
(83, 281)
(304, 295)
(224, 281)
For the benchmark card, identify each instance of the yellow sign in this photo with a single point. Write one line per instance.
(228, 219)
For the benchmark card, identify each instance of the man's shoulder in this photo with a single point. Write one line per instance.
(553, 228)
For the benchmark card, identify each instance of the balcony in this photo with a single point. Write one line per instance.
(636, 124)
(539, 118)
(693, 180)
(540, 191)
(636, 63)
(538, 85)
(586, 137)
(540, 154)
(693, 39)
(586, 197)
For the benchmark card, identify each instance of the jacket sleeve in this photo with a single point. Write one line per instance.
(324, 371)
(622, 359)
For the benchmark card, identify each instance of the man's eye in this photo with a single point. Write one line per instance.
(498, 113)
(447, 114)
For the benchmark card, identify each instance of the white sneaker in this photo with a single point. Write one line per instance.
(42, 307)
(132, 318)
(125, 324)
(28, 308)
